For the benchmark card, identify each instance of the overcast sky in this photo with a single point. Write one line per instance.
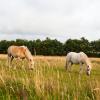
(61, 19)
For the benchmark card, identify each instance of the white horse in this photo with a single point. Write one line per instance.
(20, 52)
(78, 58)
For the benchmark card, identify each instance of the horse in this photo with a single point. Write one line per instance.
(21, 52)
(78, 58)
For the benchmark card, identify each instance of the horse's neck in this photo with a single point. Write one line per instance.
(88, 63)
(28, 55)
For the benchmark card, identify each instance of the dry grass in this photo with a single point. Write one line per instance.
(48, 81)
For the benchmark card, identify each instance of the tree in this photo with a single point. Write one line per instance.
(55, 47)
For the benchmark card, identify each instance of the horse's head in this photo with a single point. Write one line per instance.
(29, 58)
(88, 71)
(31, 63)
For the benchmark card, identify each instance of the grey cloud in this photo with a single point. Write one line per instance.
(54, 18)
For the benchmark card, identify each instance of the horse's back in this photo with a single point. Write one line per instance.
(16, 51)
(83, 54)
(77, 57)
(73, 57)
(11, 49)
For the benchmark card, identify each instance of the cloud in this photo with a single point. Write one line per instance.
(55, 18)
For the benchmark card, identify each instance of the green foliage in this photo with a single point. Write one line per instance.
(55, 47)
(77, 45)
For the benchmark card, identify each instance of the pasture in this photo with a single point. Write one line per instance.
(48, 80)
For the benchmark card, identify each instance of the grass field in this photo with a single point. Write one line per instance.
(48, 81)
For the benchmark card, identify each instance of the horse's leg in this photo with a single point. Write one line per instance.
(9, 61)
(66, 65)
(81, 67)
(69, 66)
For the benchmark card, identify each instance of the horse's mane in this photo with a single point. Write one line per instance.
(27, 52)
(88, 62)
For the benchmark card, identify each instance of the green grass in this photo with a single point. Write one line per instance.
(48, 81)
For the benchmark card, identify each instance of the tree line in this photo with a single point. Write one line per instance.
(54, 47)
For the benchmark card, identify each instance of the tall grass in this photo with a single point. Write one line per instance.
(48, 81)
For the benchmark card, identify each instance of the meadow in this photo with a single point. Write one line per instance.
(48, 80)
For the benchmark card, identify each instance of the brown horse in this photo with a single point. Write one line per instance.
(20, 52)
